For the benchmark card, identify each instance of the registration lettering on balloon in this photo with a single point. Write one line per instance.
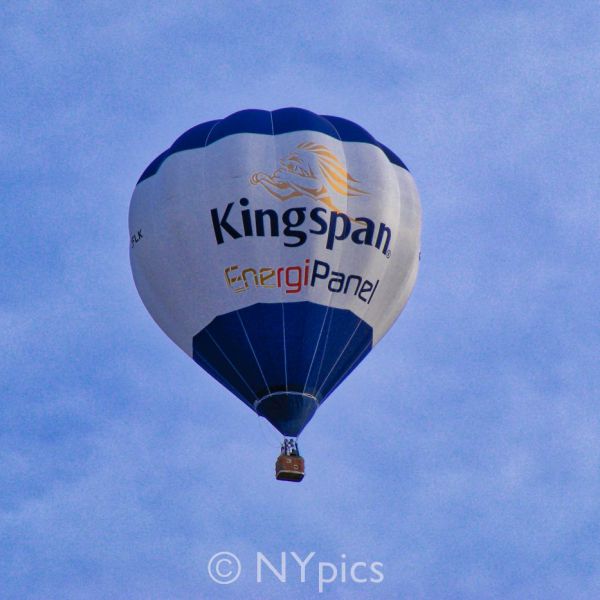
(136, 237)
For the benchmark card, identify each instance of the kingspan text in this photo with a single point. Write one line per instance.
(291, 223)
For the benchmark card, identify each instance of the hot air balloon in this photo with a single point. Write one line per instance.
(276, 248)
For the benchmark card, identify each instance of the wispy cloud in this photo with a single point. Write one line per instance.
(462, 454)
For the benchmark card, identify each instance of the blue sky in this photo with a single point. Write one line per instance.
(463, 454)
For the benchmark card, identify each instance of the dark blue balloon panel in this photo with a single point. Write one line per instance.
(264, 122)
(283, 360)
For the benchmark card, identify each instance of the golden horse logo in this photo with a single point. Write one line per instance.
(312, 171)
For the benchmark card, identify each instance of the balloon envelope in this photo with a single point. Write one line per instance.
(276, 249)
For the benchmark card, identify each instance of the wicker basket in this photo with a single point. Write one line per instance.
(289, 468)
